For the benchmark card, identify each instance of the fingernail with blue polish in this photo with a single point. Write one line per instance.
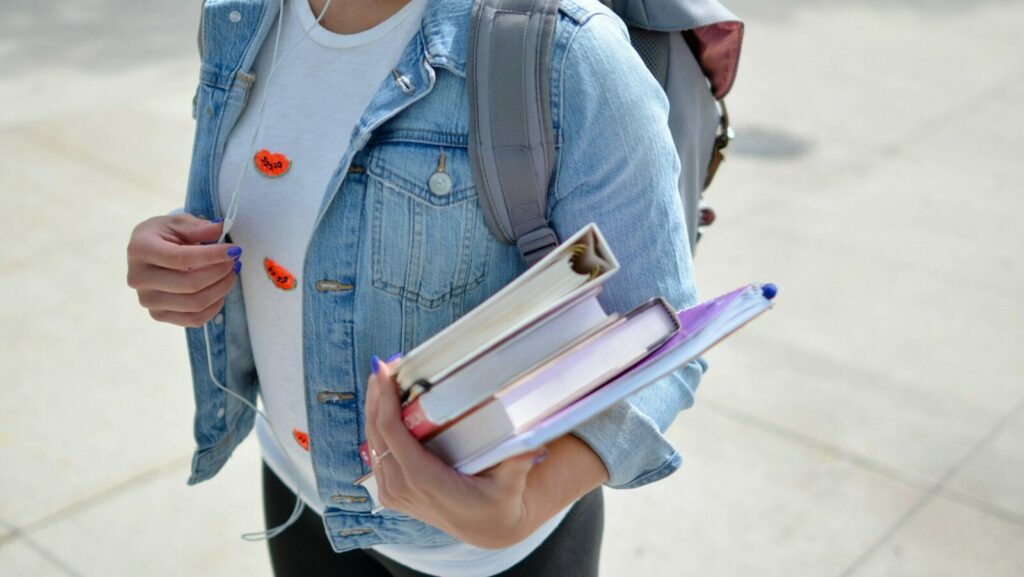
(392, 357)
(237, 267)
(217, 220)
(234, 251)
(375, 364)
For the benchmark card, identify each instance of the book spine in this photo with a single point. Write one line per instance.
(486, 375)
(416, 420)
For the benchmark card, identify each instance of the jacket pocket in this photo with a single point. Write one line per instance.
(430, 243)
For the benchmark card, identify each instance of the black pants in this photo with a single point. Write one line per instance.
(302, 550)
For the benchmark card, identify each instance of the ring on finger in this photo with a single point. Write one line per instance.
(376, 457)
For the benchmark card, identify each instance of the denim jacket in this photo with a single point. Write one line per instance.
(390, 262)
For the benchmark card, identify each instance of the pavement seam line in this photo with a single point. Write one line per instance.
(982, 505)
(912, 480)
(73, 153)
(12, 532)
(818, 445)
(46, 554)
(104, 495)
(936, 490)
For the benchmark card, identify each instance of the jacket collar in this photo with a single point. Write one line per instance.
(445, 30)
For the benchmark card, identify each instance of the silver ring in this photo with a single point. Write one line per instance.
(376, 457)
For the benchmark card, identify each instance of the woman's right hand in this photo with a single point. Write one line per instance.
(180, 280)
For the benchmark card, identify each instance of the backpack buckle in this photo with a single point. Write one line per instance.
(725, 135)
(535, 244)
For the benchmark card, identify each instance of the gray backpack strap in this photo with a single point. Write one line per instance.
(512, 146)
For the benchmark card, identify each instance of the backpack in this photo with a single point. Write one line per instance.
(512, 175)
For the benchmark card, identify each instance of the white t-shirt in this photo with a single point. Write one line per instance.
(275, 220)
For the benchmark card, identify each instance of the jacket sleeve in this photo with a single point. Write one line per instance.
(618, 167)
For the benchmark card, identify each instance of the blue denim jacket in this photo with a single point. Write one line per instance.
(407, 262)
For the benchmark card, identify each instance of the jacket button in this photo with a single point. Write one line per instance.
(403, 82)
(440, 183)
(235, 16)
(328, 285)
(338, 499)
(354, 532)
(333, 396)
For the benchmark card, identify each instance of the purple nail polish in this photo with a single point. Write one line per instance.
(541, 457)
(217, 220)
(375, 364)
(237, 267)
(234, 251)
(392, 357)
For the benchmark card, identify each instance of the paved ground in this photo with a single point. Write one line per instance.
(871, 425)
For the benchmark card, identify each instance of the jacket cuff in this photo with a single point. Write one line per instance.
(630, 445)
(628, 437)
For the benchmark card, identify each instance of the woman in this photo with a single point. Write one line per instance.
(346, 248)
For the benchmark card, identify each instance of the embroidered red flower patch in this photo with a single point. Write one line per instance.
(271, 164)
(279, 275)
(301, 438)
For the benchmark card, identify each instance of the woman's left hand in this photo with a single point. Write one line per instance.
(486, 510)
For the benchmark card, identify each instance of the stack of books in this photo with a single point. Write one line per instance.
(542, 356)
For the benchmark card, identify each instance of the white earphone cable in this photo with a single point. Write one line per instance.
(299, 503)
(229, 219)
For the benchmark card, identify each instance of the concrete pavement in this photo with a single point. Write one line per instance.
(871, 425)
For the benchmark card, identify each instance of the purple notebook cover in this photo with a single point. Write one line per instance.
(695, 318)
(691, 320)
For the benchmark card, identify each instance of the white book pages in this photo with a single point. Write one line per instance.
(578, 371)
(475, 432)
(488, 374)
